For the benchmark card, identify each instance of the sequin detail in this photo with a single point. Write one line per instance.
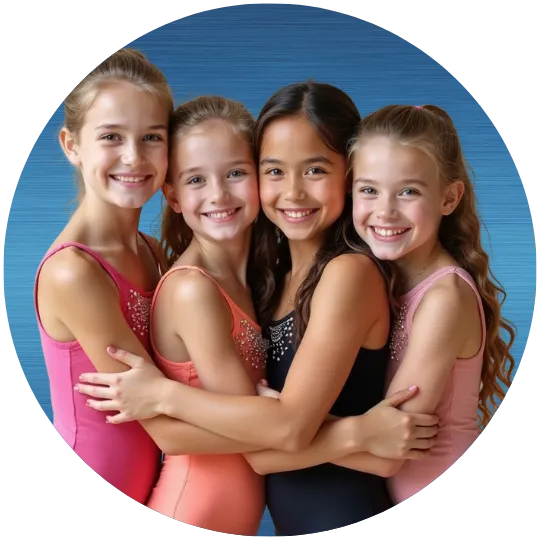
(138, 308)
(399, 337)
(251, 345)
(281, 338)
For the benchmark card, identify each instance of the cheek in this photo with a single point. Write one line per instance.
(190, 201)
(268, 192)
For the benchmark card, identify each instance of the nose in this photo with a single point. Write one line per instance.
(219, 193)
(132, 154)
(295, 188)
(386, 208)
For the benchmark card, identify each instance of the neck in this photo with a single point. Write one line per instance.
(303, 254)
(226, 259)
(415, 266)
(107, 224)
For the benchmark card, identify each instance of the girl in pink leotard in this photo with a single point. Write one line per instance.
(97, 279)
(414, 205)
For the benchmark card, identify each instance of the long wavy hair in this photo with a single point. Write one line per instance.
(430, 129)
(335, 118)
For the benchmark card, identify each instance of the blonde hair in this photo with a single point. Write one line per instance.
(175, 233)
(126, 65)
(431, 130)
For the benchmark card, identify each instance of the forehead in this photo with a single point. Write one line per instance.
(292, 138)
(211, 141)
(123, 103)
(382, 157)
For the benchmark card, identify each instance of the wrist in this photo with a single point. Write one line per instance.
(164, 392)
(353, 437)
(360, 433)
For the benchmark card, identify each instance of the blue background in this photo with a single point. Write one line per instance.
(247, 53)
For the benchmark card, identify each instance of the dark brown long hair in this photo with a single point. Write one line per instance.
(430, 129)
(335, 117)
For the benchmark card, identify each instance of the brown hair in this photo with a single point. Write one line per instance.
(124, 65)
(175, 233)
(335, 117)
(430, 129)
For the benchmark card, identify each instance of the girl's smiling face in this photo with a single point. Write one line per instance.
(302, 182)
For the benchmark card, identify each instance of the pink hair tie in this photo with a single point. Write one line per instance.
(418, 107)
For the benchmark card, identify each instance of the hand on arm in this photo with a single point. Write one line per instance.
(434, 343)
(74, 280)
(336, 330)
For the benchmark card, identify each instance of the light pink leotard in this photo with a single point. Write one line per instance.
(458, 408)
(122, 454)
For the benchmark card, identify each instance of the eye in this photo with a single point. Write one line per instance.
(312, 171)
(367, 191)
(153, 137)
(274, 172)
(410, 192)
(236, 174)
(195, 180)
(110, 137)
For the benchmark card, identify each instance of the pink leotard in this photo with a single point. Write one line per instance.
(457, 411)
(123, 454)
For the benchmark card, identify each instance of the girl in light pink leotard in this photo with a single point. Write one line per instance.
(95, 284)
(414, 204)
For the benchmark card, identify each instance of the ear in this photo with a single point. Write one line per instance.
(452, 196)
(171, 197)
(69, 146)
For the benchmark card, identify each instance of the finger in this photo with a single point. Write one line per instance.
(400, 397)
(95, 391)
(117, 419)
(416, 454)
(105, 405)
(422, 444)
(126, 357)
(425, 419)
(426, 432)
(106, 379)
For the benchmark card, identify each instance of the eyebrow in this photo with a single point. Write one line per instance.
(157, 127)
(406, 181)
(199, 168)
(308, 161)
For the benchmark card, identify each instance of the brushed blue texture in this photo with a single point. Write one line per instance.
(248, 52)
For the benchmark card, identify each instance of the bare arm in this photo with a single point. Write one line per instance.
(70, 280)
(437, 336)
(336, 330)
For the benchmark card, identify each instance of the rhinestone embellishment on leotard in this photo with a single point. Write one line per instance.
(251, 345)
(139, 310)
(281, 338)
(398, 336)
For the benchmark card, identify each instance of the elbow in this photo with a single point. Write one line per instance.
(294, 438)
(390, 468)
(256, 464)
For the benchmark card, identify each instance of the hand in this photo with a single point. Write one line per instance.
(264, 391)
(391, 433)
(134, 393)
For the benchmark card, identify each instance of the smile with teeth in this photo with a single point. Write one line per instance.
(130, 179)
(222, 214)
(296, 214)
(389, 232)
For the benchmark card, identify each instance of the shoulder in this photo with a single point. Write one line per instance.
(352, 269)
(449, 299)
(70, 268)
(191, 288)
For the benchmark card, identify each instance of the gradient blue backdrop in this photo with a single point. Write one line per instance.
(246, 53)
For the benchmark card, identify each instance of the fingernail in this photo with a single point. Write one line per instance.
(413, 387)
(107, 420)
(76, 388)
(112, 350)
